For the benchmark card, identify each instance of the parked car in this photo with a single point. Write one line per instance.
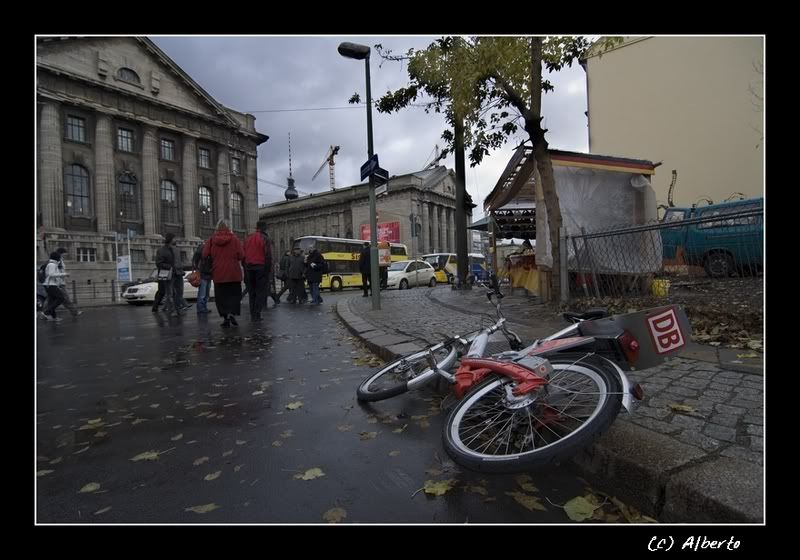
(145, 292)
(721, 246)
(403, 274)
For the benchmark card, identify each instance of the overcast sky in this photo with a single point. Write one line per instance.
(273, 77)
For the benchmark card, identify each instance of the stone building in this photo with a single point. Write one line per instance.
(429, 194)
(128, 142)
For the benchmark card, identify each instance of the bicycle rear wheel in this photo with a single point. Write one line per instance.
(406, 373)
(492, 430)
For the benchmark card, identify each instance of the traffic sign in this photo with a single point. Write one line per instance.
(369, 166)
(381, 176)
(382, 189)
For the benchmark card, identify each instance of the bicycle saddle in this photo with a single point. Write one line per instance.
(594, 313)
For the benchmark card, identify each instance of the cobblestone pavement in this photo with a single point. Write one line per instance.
(694, 401)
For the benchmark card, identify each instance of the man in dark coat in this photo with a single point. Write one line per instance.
(315, 268)
(296, 274)
(364, 264)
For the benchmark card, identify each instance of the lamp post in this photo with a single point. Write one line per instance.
(361, 52)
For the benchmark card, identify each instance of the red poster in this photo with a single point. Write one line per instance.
(387, 231)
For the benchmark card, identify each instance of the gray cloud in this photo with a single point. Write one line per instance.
(260, 74)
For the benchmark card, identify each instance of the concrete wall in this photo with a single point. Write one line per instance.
(690, 102)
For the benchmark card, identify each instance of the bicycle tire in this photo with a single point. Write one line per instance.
(367, 392)
(485, 413)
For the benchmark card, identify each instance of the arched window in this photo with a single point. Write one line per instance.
(76, 191)
(169, 202)
(206, 207)
(237, 210)
(128, 197)
(128, 75)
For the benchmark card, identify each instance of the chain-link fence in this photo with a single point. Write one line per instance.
(649, 259)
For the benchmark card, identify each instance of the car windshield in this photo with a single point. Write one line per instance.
(398, 266)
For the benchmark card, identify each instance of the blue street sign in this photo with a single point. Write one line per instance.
(370, 166)
(381, 176)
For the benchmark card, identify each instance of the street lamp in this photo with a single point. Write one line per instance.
(361, 52)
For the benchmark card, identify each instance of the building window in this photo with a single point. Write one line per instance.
(87, 254)
(124, 140)
(236, 166)
(128, 75)
(76, 128)
(169, 202)
(206, 207)
(128, 197)
(138, 256)
(237, 210)
(167, 149)
(205, 158)
(76, 191)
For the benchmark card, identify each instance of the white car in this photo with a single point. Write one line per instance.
(139, 294)
(404, 274)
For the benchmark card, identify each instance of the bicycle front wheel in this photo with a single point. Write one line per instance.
(406, 373)
(492, 430)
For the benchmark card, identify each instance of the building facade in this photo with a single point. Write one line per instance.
(429, 195)
(696, 104)
(129, 144)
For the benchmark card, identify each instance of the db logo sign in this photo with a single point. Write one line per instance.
(665, 331)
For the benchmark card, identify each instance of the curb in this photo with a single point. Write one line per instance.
(662, 477)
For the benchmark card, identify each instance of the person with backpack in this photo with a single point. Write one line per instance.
(316, 266)
(257, 269)
(203, 267)
(54, 279)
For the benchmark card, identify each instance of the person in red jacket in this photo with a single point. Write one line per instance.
(226, 271)
(257, 268)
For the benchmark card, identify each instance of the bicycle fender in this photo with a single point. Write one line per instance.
(472, 370)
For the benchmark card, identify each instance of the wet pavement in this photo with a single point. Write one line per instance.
(144, 419)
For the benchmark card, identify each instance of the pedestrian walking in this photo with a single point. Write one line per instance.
(283, 271)
(177, 278)
(203, 267)
(296, 274)
(258, 268)
(316, 266)
(65, 299)
(165, 263)
(227, 255)
(53, 281)
(364, 266)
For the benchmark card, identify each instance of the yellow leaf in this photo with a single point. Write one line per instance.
(748, 355)
(439, 488)
(334, 515)
(295, 405)
(344, 428)
(400, 430)
(529, 502)
(95, 421)
(212, 476)
(579, 509)
(200, 461)
(226, 453)
(105, 509)
(146, 456)
(176, 438)
(91, 487)
(681, 408)
(478, 490)
(310, 474)
(368, 435)
(44, 472)
(394, 453)
(205, 508)
(240, 442)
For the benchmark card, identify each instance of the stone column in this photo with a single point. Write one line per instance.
(104, 175)
(189, 187)
(451, 229)
(436, 245)
(426, 241)
(51, 171)
(223, 178)
(251, 196)
(150, 180)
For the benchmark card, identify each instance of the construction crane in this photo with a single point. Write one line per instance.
(332, 151)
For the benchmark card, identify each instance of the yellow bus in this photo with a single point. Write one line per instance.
(342, 256)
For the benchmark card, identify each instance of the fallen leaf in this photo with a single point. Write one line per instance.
(56, 461)
(176, 438)
(748, 355)
(579, 509)
(91, 487)
(139, 421)
(99, 511)
(367, 435)
(681, 408)
(205, 508)
(310, 474)
(240, 442)
(294, 405)
(287, 434)
(394, 453)
(226, 453)
(439, 488)
(344, 428)
(525, 483)
(44, 472)
(95, 421)
(529, 502)
(237, 468)
(323, 370)
(277, 443)
(200, 461)
(212, 476)
(334, 515)
(146, 456)
(400, 430)
(478, 490)
(256, 393)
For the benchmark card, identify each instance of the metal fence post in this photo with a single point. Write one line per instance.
(564, 275)
(591, 263)
(113, 290)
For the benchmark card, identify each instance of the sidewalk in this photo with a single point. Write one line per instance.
(701, 462)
